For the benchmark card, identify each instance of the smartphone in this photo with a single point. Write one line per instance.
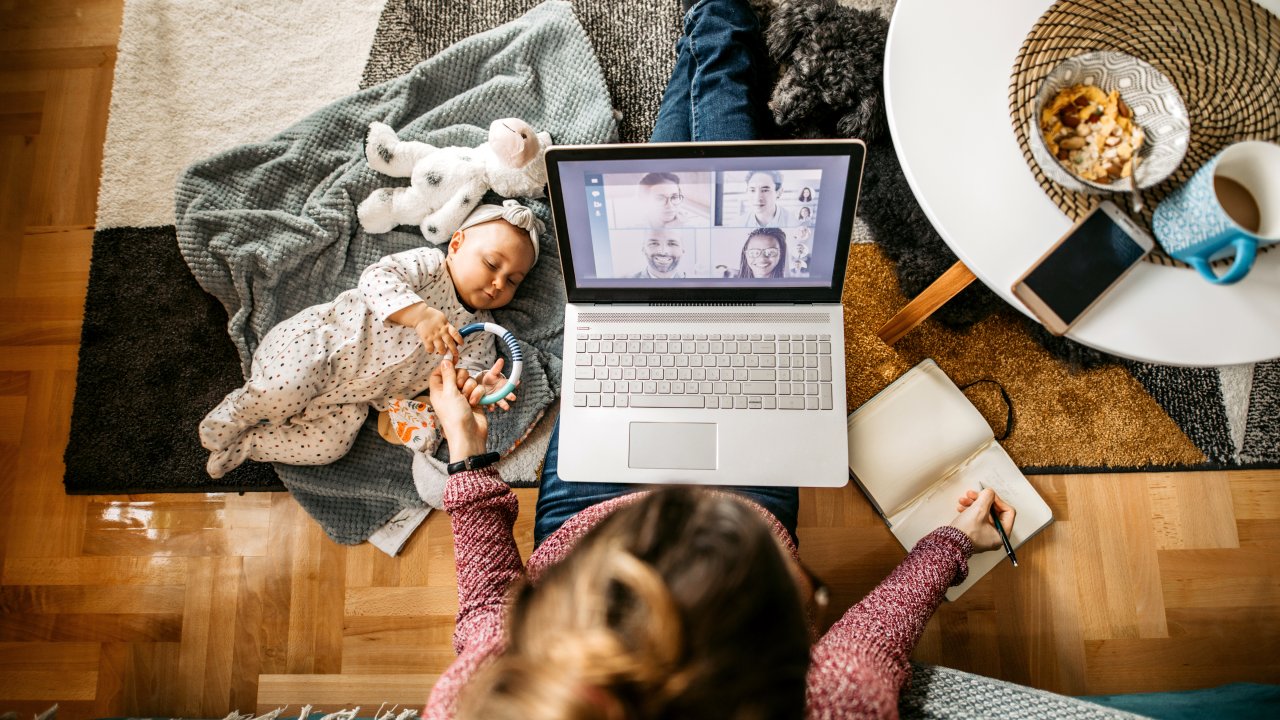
(1082, 266)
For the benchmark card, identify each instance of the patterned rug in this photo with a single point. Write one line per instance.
(192, 80)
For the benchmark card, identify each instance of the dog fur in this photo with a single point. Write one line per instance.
(830, 64)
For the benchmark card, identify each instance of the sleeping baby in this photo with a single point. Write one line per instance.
(315, 375)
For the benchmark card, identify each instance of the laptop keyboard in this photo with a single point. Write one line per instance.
(709, 371)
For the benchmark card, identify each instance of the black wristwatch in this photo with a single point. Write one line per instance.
(475, 462)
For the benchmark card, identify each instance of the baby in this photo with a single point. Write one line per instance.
(315, 375)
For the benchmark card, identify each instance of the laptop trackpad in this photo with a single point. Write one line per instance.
(672, 446)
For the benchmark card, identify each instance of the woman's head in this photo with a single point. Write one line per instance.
(806, 195)
(805, 212)
(683, 604)
(763, 254)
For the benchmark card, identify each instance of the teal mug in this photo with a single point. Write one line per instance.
(1231, 206)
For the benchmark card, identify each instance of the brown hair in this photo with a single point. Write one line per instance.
(680, 605)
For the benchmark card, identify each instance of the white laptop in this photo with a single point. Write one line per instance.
(704, 336)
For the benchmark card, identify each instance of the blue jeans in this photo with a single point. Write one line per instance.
(559, 500)
(712, 95)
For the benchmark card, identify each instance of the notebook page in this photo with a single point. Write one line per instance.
(911, 434)
(991, 467)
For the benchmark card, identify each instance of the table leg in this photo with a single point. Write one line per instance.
(947, 286)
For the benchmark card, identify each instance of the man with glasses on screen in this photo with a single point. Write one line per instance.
(661, 196)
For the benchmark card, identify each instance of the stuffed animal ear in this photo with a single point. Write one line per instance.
(513, 141)
(792, 20)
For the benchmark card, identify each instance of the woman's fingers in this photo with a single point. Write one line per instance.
(435, 382)
(1007, 513)
(447, 378)
(966, 500)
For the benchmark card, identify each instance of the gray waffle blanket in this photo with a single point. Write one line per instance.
(270, 228)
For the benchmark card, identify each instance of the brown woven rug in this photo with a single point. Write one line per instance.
(1084, 420)
(1222, 55)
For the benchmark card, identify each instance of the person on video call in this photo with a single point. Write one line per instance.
(663, 200)
(762, 209)
(662, 250)
(764, 254)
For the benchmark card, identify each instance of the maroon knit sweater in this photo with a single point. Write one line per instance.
(857, 669)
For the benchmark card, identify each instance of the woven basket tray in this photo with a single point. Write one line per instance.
(1223, 56)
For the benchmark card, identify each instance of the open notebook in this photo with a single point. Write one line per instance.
(916, 447)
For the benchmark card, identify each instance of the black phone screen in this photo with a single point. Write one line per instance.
(1070, 278)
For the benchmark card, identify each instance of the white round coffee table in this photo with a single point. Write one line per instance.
(947, 68)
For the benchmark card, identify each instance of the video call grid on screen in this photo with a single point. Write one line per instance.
(704, 222)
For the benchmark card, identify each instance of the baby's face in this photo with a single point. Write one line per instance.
(488, 261)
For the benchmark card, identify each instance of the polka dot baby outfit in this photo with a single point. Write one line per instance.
(315, 375)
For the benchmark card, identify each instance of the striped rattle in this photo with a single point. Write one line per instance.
(513, 349)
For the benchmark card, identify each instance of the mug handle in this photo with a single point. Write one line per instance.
(1246, 251)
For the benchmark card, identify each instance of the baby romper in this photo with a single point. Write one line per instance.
(315, 375)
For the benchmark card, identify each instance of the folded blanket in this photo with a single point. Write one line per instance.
(270, 228)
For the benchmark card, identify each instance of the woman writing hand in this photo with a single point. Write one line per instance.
(974, 519)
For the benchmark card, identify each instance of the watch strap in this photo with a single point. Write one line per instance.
(475, 462)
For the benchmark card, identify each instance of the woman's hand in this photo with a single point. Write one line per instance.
(491, 380)
(465, 427)
(975, 521)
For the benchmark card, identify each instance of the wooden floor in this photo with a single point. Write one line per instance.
(195, 605)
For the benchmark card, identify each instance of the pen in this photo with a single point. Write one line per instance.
(1004, 537)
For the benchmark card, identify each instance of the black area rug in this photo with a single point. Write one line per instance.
(154, 357)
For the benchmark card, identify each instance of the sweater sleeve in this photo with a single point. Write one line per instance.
(393, 282)
(861, 665)
(483, 510)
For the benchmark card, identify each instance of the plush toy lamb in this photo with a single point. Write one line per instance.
(446, 183)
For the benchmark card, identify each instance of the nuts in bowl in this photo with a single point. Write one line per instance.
(1091, 133)
(1096, 113)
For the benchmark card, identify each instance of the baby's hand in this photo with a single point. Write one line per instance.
(490, 381)
(438, 336)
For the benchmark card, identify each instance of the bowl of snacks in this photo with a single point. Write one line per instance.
(1105, 121)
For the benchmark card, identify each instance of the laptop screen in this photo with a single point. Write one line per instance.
(705, 221)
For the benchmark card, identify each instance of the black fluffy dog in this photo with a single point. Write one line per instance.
(830, 64)
(830, 61)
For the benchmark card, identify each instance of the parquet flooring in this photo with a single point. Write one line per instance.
(194, 605)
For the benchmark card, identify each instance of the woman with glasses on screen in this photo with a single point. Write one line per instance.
(673, 602)
(764, 254)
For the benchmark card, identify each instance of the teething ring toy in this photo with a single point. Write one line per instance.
(513, 349)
